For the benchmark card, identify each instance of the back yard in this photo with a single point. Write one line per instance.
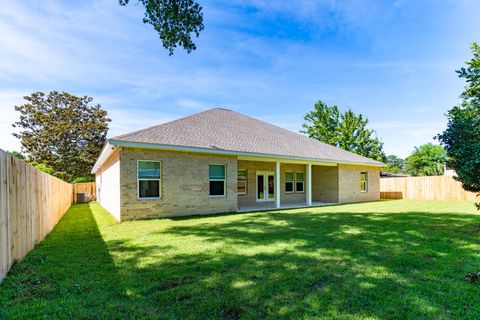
(383, 260)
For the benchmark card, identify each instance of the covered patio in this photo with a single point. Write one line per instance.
(266, 184)
(271, 206)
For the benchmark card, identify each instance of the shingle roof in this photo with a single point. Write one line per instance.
(222, 129)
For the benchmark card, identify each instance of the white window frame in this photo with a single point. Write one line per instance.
(245, 181)
(292, 181)
(224, 180)
(302, 181)
(143, 179)
(366, 181)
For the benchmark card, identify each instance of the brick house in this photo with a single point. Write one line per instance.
(222, 161)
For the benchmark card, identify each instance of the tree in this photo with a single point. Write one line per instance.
(461, 139)
(174, 20)
(43, 167)
(344, 130)
(62, 132)
(394, 164)
(18, 155)
(426, 160)
(83, 179)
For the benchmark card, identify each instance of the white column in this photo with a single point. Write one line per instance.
(277, 185)
(309, 184)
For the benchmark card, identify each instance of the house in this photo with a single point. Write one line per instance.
(447, 171)
(222, 161)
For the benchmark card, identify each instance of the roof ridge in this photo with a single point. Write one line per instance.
(164, 123)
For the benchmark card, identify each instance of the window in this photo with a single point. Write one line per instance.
(216, 179)
(289, 178)
(242, 181)
(299, 182)
(363, 182)
(148, 179)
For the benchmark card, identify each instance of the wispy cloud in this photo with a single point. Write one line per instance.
(400, 137)
(126, 120)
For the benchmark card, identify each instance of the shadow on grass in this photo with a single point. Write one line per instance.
(69, 274)
(285, 264)
(341, 264)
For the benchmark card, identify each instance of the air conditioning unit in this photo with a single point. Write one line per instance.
(82, 197)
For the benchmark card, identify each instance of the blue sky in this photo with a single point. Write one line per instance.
(392, 61)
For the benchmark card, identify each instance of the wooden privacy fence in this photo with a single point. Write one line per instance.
(31, 204)
(87, 187)
(424, 188)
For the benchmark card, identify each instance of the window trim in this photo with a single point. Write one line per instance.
(292, 181)
(246, 182)
(224, 180)
(362, 173)
(302, 181)
(143, 179)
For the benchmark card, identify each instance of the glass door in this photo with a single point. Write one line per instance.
(265, 186)
(271, 187)
(260, 187)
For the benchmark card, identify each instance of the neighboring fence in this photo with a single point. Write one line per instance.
(87, 187)
(31, 204)
(424, 188)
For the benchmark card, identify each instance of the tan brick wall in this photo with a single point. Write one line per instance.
(325, 184)
(349, 183)
(184, 185)
(252, 167)
(292, 197)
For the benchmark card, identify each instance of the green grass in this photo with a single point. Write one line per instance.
(381, 260)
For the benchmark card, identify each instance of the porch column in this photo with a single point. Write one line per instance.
(277, 184)
(309, 184)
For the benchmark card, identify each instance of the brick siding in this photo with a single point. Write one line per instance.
(184, 184)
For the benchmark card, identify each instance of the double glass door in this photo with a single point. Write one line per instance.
(265, 186)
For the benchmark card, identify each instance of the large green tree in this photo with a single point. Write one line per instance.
(346, 130)
(461, 139)
(426, 160)
(63, 132)
(394, 164)
(174, 20)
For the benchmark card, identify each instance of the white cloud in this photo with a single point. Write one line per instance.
(9, 99)
(190, 104)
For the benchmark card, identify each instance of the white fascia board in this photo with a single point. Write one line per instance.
(107, 151)
(245, 155)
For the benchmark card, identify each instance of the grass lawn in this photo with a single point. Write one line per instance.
(381, 260)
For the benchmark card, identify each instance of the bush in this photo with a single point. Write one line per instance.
(83, 179)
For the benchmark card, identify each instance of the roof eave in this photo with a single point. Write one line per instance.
(134, 144)
(107, 151)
